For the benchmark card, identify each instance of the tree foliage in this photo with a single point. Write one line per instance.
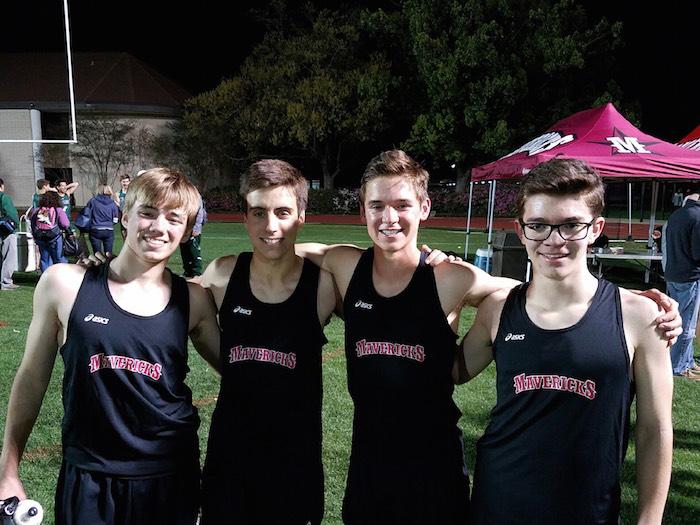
(312, 91)
(452, 81)
(106, 147)
(495, 72)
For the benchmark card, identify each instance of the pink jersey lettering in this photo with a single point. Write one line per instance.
(130, 364)
(525, 383)
(364, 348)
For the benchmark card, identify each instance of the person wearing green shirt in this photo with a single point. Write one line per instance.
(8, 245)
(42, 186)
(65, 190)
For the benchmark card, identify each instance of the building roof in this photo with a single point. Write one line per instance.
(103, 82)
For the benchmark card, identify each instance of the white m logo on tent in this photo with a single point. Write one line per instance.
(627, 145)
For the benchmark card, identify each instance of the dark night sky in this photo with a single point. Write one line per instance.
(198, 43)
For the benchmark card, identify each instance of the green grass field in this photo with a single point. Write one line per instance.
(43, 455)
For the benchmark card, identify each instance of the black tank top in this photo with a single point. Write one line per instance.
(128, 411)
(407, 463)
(558, 433)
(267, 422)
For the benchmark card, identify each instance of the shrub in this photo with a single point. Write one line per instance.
(343, 201)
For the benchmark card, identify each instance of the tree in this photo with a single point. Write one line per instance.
(311, 89)
(495, 72)
(105, 148)
(55, 156)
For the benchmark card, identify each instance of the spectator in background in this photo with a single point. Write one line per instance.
(65, 190)
(8, 252)
(683, 280)
(124, 180)
(48, 220)
(104, 215)
(42, 186)
(191, 250)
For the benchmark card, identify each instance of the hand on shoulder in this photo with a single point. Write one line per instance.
(639, 314)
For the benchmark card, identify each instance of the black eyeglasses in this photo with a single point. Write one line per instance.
(569, 231)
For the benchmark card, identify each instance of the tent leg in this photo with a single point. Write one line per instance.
(492, 207)
(629, 211)
(652, 220)
(469, 219)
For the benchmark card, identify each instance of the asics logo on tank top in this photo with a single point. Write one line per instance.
(95, 319)
(364, 305)
(242, 311)
(514, 337)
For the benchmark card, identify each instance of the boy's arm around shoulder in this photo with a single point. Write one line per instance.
(654, 392)
(203, 327)
(325, 256)
(53, 299)
(466, 284)
(217, 275)
(477, 345)
(328, 297)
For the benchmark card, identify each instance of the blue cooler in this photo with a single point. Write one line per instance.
(483, 259)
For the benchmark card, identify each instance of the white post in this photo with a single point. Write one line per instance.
(492, 207)
(469, 219)
(35, 123)
(629, 211)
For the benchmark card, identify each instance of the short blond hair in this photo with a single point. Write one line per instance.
(163, 187)
(395, 163)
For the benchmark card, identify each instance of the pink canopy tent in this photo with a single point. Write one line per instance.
(606, 140)
(691, 140)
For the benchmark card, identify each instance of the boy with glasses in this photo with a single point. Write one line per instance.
(571, 352)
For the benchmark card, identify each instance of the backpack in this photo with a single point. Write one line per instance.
(45, 224)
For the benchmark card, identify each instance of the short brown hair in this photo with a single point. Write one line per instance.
(124, 176)
(393, 163)
(41, 183)
(163, 187)
(50, 199)
(270, 173)
(563, 177)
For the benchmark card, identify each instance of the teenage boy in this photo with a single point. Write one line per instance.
(571, 351)
(130, 447)
(401, 317)
(263, 462)
(407, 462)
(65, 190)
(42, 186)
(124, 181)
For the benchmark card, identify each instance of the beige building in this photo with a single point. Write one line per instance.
(34, 105)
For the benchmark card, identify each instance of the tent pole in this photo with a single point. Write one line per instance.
(492, 199)
(652, 216)
(652, 220)
(629, 211)
(469, 220)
